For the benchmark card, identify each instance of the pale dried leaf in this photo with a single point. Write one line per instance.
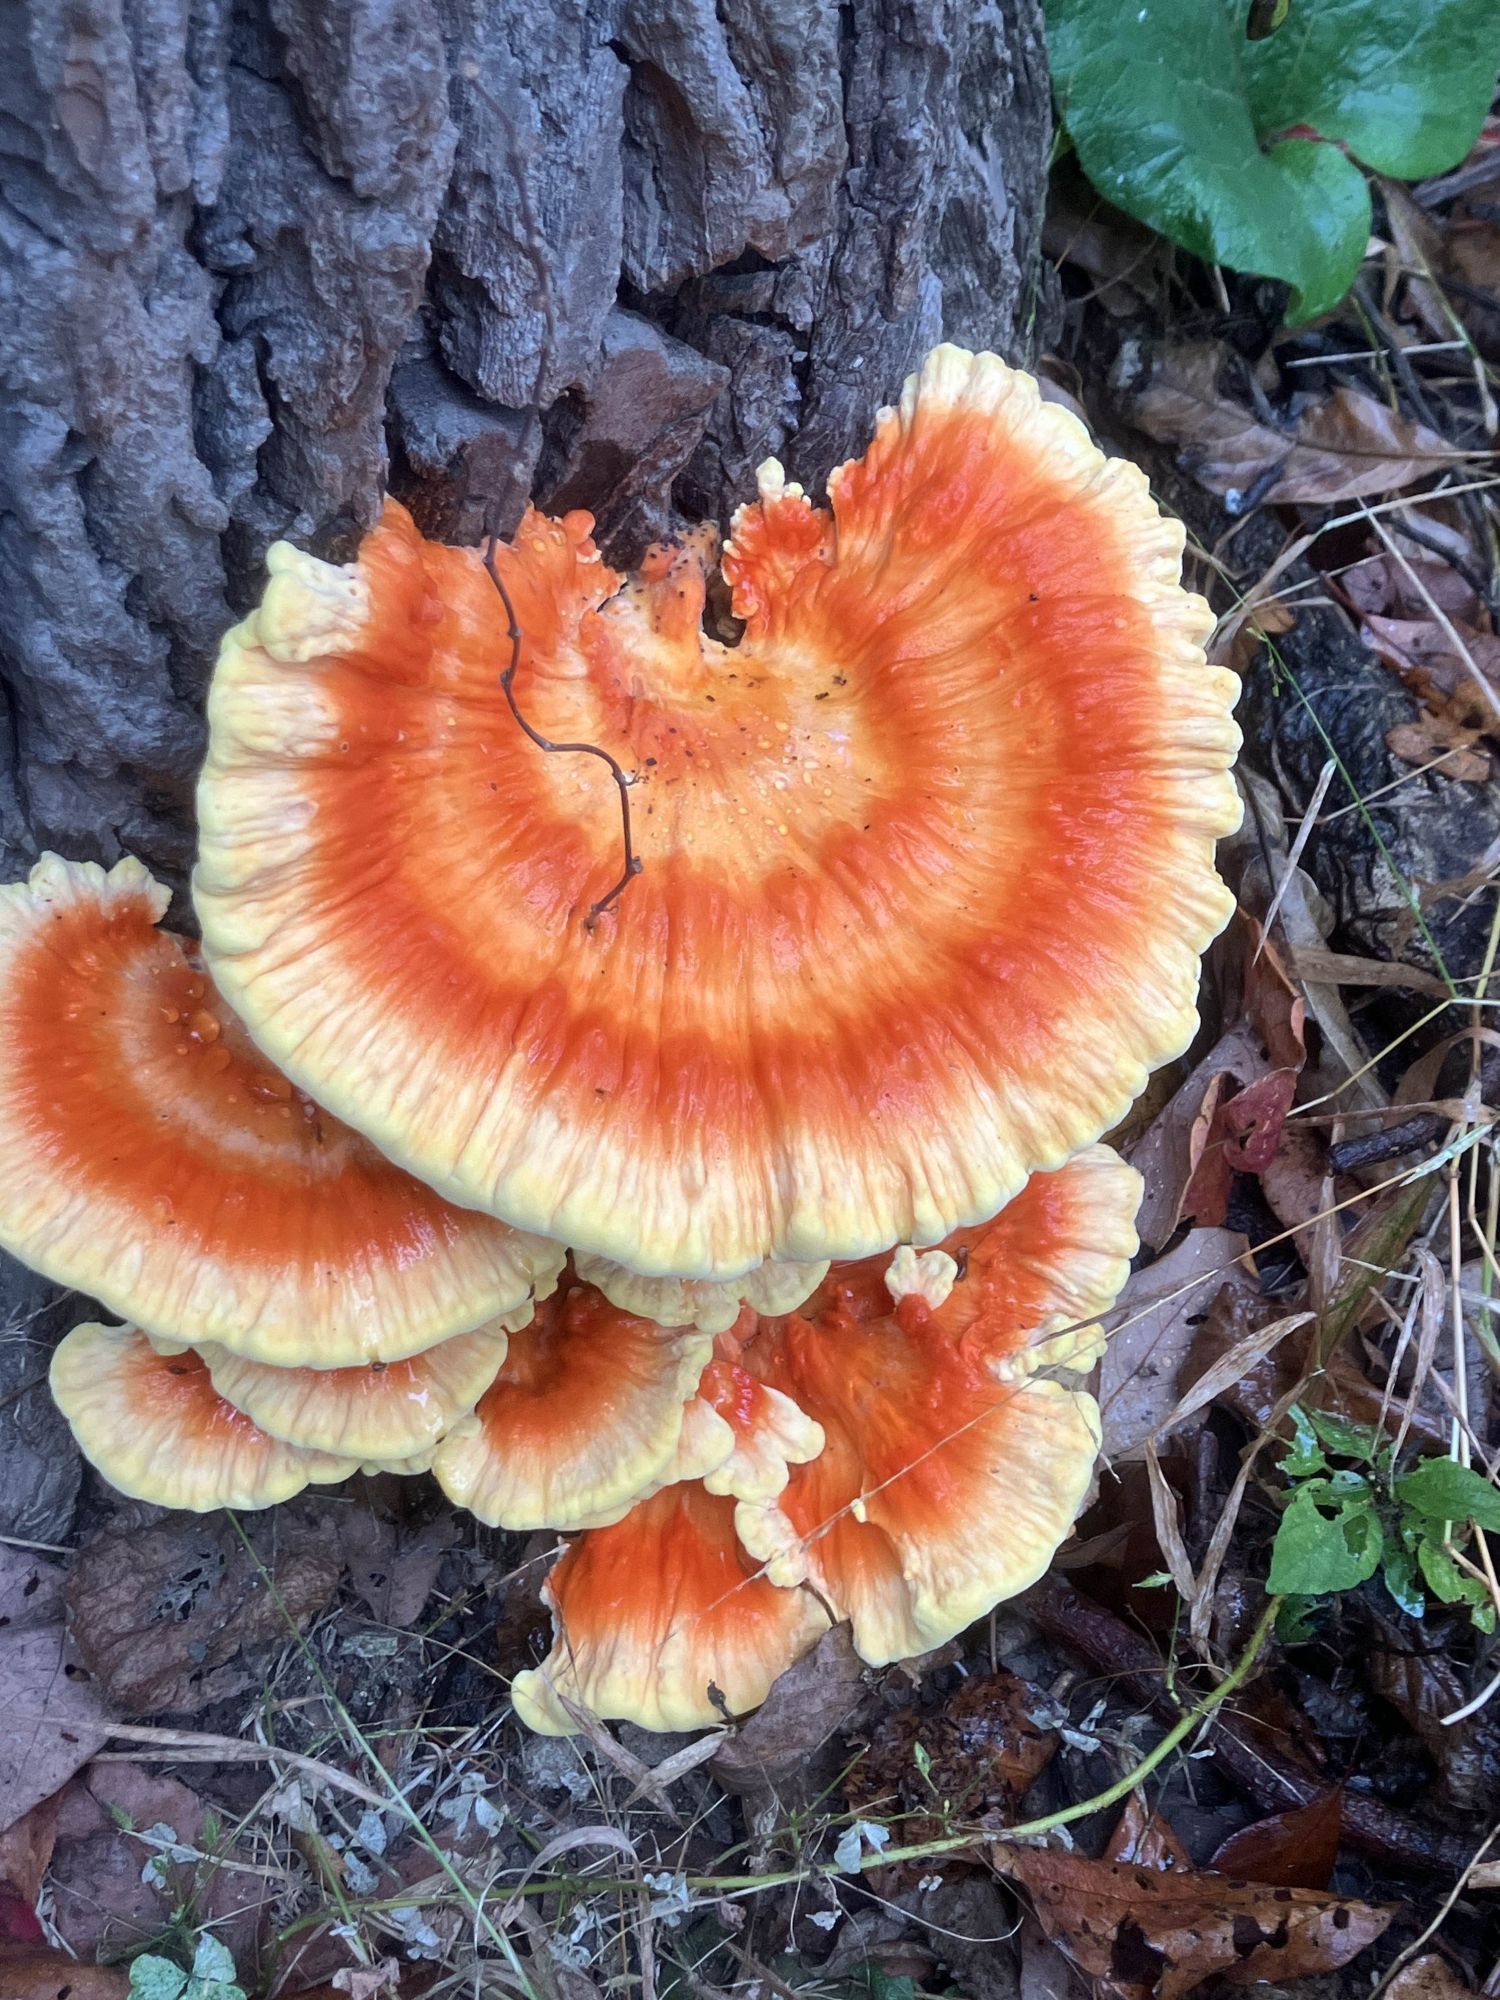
(52, 1716)
(1153, 1325)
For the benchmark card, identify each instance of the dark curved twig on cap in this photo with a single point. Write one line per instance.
(621, 777)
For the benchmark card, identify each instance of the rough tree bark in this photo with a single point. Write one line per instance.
(260, 260)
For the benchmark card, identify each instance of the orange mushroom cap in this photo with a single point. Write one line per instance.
(585, 1415)
(158, 1430)
(156, 1162)
(928, 856)
(386, 1412)
(952, 1467)
(653, 1613)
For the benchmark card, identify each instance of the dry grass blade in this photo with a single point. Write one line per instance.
(1231, 1365)
(190, 1746)
(1167, 1516)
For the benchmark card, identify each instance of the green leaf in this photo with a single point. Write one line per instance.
(1445, 1579)
(1348, 1440)
(213, 1960)
(1441, 1489)
(1316, 1552)
(1157, 102)
(153, 1978)
(1294, 1621)
(1185, 123)
(1398, 1571)
(1405, 84)
(1305, 1455)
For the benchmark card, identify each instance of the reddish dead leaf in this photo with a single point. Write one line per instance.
(1142, 1840)
(1170, 1152)
(26, 1848)
(103, 1898)
(1290, 1850)
(1243, 1136)
(1153, 1934)
(1423, 653)
(18, 1920)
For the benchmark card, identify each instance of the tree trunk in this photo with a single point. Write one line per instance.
(261, 262)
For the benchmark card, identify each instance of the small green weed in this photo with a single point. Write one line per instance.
(212, 1976)
(1344, 1522)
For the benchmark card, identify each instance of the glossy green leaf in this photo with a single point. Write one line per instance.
(1405, 84)
(1445, 1579)
(1398, 1571)
(1338, 1434)
(1183, 121)
(1157, 102)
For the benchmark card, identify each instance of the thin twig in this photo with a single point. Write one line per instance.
(620, 776)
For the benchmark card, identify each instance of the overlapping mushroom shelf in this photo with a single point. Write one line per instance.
(746, 1225)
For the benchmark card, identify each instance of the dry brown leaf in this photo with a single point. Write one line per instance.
(161, 1614)
(52, 1718)
(52, 1975)
(1144, 1840)
(1442, 745)
(810, 1703)
(393, 1565)
(1290, 1850)
(983, 1751)
(1168, 1154)
(26, 1849)
(1429, 1977)
(1156, 1933)
(1266, 619)
(1154, 1324)
(1423, 654)
(1345, 448)
(1382, 585)
(1124, 259)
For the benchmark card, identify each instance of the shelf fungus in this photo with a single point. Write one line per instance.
(155, 1161)
(584, 1416)
(926, 858)
(158, 1430)
(899, 1453)
(386, 1411)
(721, 1028)
(955, 1460)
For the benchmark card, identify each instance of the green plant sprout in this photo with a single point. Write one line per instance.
(1344, 1522)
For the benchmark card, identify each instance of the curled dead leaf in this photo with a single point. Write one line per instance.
(1349, 446)
(1153, 1934)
